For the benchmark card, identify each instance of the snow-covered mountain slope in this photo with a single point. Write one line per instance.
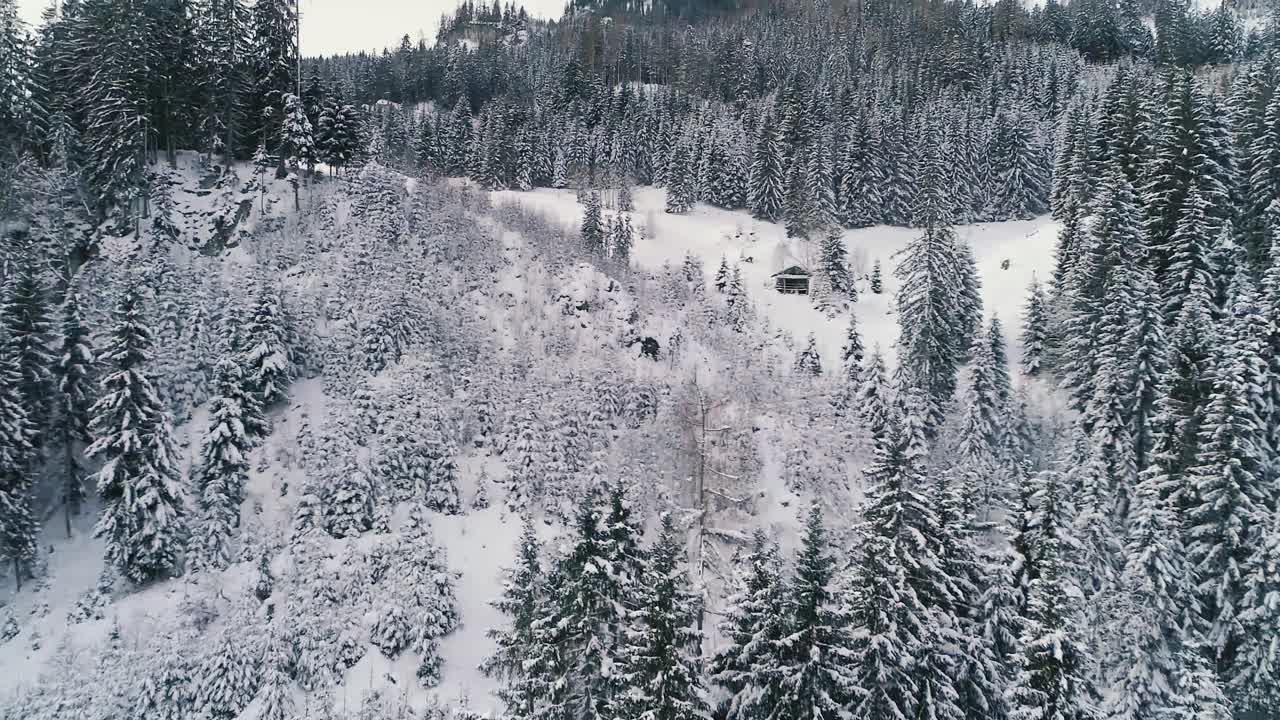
(516, 317)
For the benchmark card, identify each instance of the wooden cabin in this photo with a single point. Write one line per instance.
(792, 281)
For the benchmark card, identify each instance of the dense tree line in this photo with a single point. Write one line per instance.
(103, 89)
(800, 117)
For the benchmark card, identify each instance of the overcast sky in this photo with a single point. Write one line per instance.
(335, 26)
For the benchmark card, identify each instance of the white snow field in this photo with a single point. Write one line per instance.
(480, 543)
(711, 233)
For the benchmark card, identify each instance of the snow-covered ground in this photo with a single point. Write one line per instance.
(762, 249)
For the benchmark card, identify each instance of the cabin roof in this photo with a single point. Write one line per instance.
(793, 270)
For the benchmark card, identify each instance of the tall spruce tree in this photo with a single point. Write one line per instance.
(1254, 680)
(1051, 681)
(851, 356)
(587, 620)
(593, 230)
(27, 325)
(1035, 331)
(932, 314)
(17, 520)
(1159, 583)
(268, 352)
(661, 667)
(899, 667)
(274, 56)
(223, 45)
(814, 674)
(834, 264)
(522, 661)
(874, 401)
(767, 187)
(1228, 494)
(144, 512)
(223, 468)
(754, 626)
(73, 374)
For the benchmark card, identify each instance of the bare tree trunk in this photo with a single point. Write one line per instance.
(71, 499)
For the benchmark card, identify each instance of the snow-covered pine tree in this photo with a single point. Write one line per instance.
(661, 665)
(526, 484)
(275, 695)
(737, 304)
(979, 614)
(1270, 310)
(586, 619)
(524, 172)
(297, 136)
(1199, 690)
(851, 356)
(338, 135)
(442, 480)
(17, 521)
(1187, 254)
(21, 85)
(1146, 336)
(755, 627)
(1000, 361)
(681, 177)
(1035, 331)
(623, 535)
(347, 502)
(800, 209)
(982, 425)
(1106, 259)
(834, 264)
(1159, 583)
(391, 630)
(72, 402)
(899, 583)
(261, 164)
(809, 361)
(593, 235)
(622, 240)
(144, 513)
(1254, 680)
(877, 285)
(222, 45)
(1186, 388)
(25, 319)
(268, 355)
(873, 396)
(814, 674)
(223, 469)
(1107, 419)
(274, 58)
(1227, 498)
(932, 308)
(767, 186)
(859, 182)
(425, 589)
(230, 671)
(1050, 681)
(112, 102)
(1022, 189)
(522, 661)
(722, 275)
(168, 692)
